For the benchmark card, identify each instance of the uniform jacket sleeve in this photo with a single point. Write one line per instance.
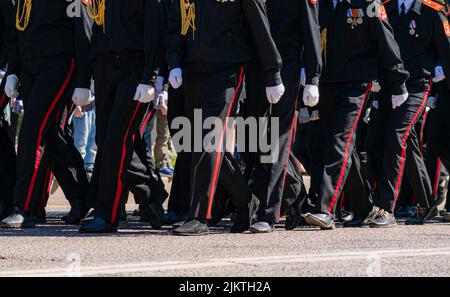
(6, 30)
(390, 56)
(442, 42)
(13, 50)
(270, 58)
(153, 40)
(83, 34)
(174, 41)
(312, 54)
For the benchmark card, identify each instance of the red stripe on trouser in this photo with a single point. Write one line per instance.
(437, 176)
(403, 144)
(147, 119)
(41, 132)
(122, 161)
(347, 149)
(2, 100)
(219, 147)
(286, 166)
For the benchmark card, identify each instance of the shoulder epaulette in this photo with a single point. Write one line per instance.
(434, 5)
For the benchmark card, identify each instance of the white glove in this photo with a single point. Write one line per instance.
(176, 78)
(274, 94)
(431, 102)
(303, 77)
(303, 116)
(160, 100)
(82, 97)
(159, 85)
(375, 87)
(144, 93)
(12, 81)
(311, 95)
(439, 74)
(398, 100)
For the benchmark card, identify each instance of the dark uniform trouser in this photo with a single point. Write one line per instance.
(179, 200)
(216, 93)
(47, 87)
(7, 156)
(342, 106)
(402, 152)
(269, 179)
(439, 138)
(122, 159)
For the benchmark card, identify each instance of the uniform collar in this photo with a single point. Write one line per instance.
(416, 6)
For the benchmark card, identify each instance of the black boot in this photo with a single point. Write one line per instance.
(293, 221)
(244, 216)
(421, 215)
(324, 221)
(383, 219)
(98, 225)
(18, 219)
(77, 213)
(192, 228)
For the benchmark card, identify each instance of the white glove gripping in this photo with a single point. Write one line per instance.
(176, 78)
(12, 81)
(311, 95)
(376, 88)
(431, 102)
(303, 77)
(144, 93)
(398, 100)
(275, 93)
(160, 100)
(439, 74)
(82, 97)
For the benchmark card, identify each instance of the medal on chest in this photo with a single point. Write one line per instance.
(355, 17)
(412, 28)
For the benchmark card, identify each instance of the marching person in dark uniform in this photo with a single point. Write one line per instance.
(126, 42)
(209, 44)
(295, 29)
(48, 56)
(423, 34)
(356, 39)
(7, 150)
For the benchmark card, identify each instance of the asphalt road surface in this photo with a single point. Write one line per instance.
(58, 250)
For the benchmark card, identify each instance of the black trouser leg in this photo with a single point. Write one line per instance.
(402, 150)
(269, 178)
(217, 94)
(119, 118)
(45, 92)
(7, 167)
(342, 107)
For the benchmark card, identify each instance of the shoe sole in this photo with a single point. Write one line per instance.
(311, 220)
(190, 234)
(18, 226)
(383, 226)
(259, 231)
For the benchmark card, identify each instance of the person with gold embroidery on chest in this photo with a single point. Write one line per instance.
(208, 45)
(48, 57)
(127, 44)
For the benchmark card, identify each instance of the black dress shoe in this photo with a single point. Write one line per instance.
(244, 216)
(98, 225)
(405, 211)
(372, 215)
(346, 216)
(5, 211)
(18, 219)
(261, 227)
(191, 228)
(384, 219)
(324, 221)
(152, 213)
(77, 212)
(294, 221)
(356, 222)
(446, 217)
(421, 215)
